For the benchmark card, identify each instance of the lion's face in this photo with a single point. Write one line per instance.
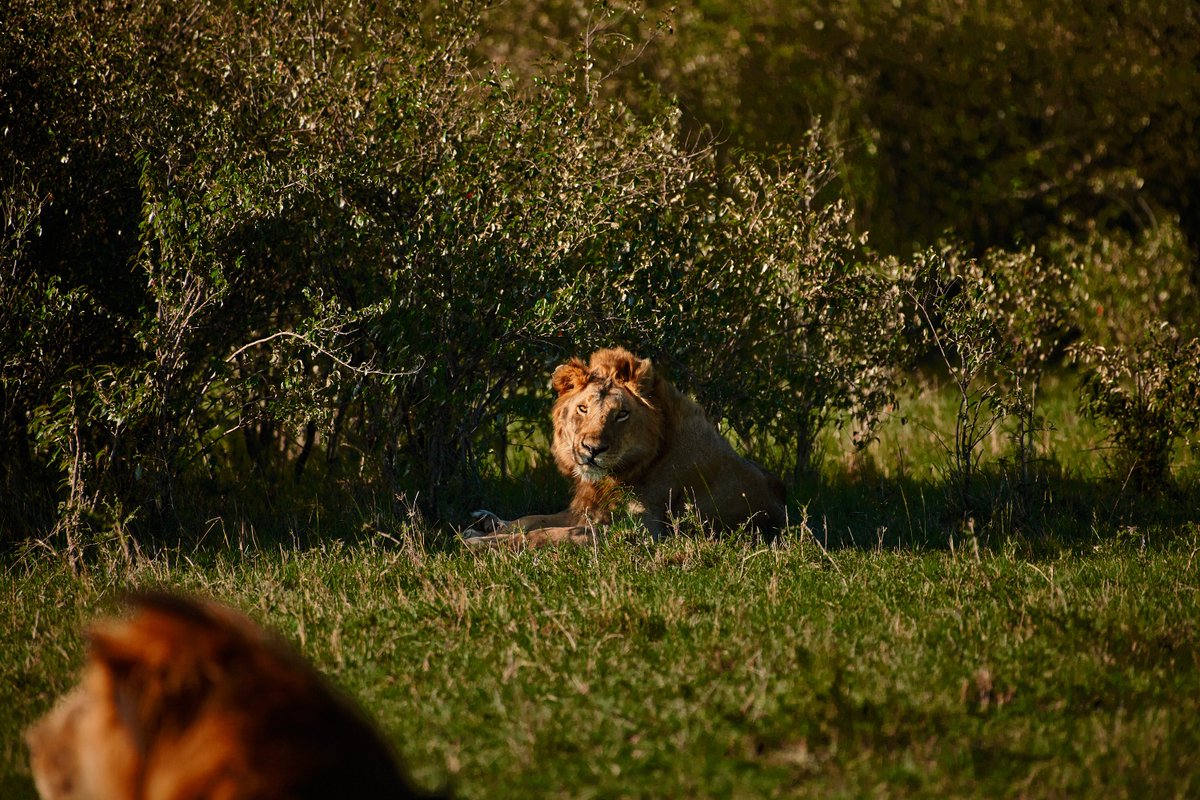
(54, 748)
(606, 430)
(82, 748)
(604, 419)
(187, 698)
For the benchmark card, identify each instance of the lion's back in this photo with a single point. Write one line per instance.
(701, 471)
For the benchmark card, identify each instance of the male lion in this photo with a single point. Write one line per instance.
(188, 699)
(626, 436)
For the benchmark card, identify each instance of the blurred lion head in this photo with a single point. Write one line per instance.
(189, 699)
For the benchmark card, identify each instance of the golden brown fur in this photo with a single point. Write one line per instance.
(627, 437)
(188, 699)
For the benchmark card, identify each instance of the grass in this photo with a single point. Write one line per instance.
(882, 649)
(706, 668)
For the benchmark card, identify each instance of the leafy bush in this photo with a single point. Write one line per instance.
(995, 324)
(1129, 283)
(1034, 298)
(178, 155)
(955, 305)
(284, 234)
(1148, 393)
(1140, 353)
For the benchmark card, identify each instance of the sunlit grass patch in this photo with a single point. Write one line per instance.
(706, 667)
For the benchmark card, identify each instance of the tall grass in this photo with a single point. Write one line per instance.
(705, 667)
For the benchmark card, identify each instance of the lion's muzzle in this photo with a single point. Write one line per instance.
(591, 461)
(591, 452)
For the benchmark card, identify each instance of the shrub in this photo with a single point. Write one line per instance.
(997, 324)
(1139, 347)
(1131, 282)
(1034, 298)
(955, 303)
(796, 328)
(303, 234)
(1148, 394)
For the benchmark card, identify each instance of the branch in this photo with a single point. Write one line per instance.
(323, 351)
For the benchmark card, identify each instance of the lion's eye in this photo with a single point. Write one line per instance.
(581, 408)
(622, 415)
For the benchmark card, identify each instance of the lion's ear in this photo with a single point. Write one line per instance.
(643, 375)
(142, 642)
(625, 368)
(163, 629)
(113, 644)
(570, 377)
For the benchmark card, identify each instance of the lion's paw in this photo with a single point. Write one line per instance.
(482, 541)
(483, 523)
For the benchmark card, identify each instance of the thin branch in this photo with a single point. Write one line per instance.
(323, 351)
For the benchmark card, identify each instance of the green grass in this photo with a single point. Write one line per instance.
(1047, 647)
(705, 668)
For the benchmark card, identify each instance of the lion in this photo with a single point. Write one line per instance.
(628, 439)
(189, 699)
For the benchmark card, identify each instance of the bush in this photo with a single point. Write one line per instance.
(1148, 394)
(1129, 283)
(955, 305)
(284, 235)
(1138, 353)
(179, 153)
(996, 324)
(829, 339)
(1035, 298)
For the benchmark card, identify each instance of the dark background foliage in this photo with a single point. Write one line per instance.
(1003, 123)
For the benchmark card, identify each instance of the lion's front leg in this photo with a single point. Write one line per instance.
(574, 534)
(516, 538)
(535, 530)
(486, 523)
(483, 523)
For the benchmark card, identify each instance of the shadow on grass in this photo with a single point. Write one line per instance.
(1056, 512)
(1051, 514)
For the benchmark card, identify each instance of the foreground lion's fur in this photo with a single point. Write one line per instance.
(188, 699)
(629, 439)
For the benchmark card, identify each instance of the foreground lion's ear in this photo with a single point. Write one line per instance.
(164, 634)
(117, 646)
(570, 377)
(158, 629)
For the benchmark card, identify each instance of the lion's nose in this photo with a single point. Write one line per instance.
(594, 450)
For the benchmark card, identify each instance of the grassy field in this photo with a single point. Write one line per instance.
(875, 651)
(707, 668)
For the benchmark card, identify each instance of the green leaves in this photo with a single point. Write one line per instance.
(1148, 394)
(339, 234)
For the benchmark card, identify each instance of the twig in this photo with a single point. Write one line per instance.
(323, 351)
